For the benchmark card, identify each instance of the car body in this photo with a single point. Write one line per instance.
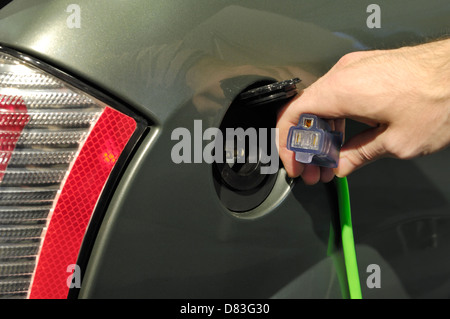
(162, 230)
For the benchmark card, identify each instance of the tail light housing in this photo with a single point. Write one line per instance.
(60, 143)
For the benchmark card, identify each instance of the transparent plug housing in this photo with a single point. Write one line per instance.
(314, 143)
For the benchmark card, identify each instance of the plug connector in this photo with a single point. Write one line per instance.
(314, 142)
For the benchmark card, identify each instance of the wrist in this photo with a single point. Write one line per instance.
(433, 61)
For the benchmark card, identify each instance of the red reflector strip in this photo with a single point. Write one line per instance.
(77, 202)
(13, 118)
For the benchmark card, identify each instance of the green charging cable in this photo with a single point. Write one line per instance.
(348, 243)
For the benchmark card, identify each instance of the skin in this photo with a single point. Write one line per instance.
(403, 94)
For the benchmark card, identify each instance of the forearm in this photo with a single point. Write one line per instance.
(434, 60)
(433, 91)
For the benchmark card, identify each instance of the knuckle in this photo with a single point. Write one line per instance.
(399, 149)
(349, 58)
(369, 152)
(365, 154)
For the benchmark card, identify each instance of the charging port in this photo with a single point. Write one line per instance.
(248, 173)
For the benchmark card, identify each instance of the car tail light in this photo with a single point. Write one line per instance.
(58, 147)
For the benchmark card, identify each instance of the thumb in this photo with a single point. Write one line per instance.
(361, 149)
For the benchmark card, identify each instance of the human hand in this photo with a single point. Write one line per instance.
(403, 94)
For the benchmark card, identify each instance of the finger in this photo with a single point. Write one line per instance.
(339, 125)
(293, 168)
(311, 174)
(326, 174)
(360, 150)
(331, 124)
